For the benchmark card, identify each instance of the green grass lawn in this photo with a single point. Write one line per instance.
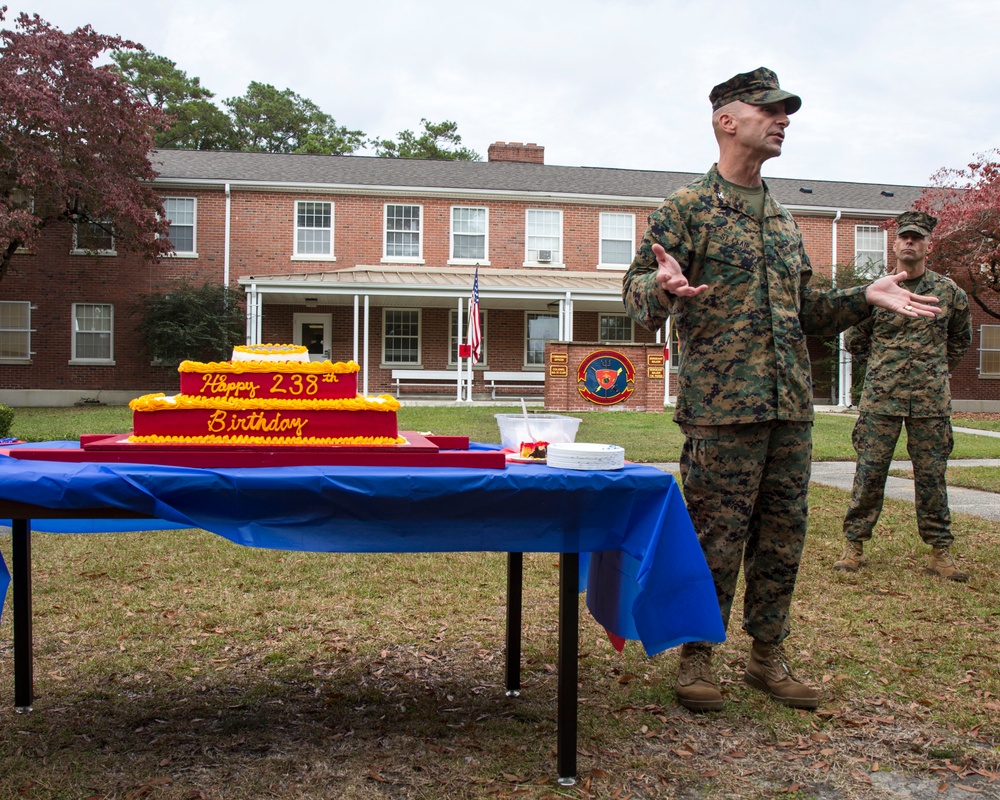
(985, 479)
(646, 437)
(176, 665)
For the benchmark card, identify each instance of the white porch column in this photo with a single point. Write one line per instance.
(461, 361)
(253, 314)
(364, 346)
(566, 313)
(357, 323)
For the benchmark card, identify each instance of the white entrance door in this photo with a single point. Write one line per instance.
(313, 330)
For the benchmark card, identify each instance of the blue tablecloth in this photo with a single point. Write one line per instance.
(647, 577)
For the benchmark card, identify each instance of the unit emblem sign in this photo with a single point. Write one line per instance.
(606, 377)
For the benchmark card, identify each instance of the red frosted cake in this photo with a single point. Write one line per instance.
(267, 395)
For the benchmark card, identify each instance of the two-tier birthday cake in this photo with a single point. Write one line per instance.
(267, 395)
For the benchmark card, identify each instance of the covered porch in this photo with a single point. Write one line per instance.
(343, 307)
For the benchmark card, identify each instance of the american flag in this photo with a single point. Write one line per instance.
(475, 328)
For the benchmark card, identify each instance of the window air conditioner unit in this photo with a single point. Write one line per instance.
(544, 255)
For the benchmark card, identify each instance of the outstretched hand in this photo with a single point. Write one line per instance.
(670, 277)
(887, 293)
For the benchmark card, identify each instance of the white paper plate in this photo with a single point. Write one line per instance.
(583, 455)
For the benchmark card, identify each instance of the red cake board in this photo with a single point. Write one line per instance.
(419, 451)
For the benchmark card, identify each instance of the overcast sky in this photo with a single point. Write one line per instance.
(892, 91)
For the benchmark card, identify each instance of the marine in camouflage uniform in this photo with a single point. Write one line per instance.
(744, 394)
(907, 383)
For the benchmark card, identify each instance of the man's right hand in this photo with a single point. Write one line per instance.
(670, 277)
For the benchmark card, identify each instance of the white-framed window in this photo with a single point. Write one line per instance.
(401, 336)
(617, 239)
(403, 232)
(539, 329)
(313, 230)
(93, 333)
(989, 351)
(182, 213)
(15, 330)
(469, 232)
(453, 336)
(543, 237)
(93, 238)
(869, 250)
(614, 328)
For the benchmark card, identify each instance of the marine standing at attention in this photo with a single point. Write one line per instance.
(907, 382)
(726, 262)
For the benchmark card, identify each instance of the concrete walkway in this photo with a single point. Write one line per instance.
(961, 501)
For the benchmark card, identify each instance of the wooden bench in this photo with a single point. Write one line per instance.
(424, 378)
(513, 380)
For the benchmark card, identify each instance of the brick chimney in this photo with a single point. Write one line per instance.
(529, 153)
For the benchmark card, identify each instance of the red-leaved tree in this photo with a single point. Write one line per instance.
(966, 242)
(74, 141)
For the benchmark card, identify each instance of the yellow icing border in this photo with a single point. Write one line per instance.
(269, 349)
(161, 402)
(236, 367)
(257, 441)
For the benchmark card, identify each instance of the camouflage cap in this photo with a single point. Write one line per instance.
(758, 88)
(915, 222)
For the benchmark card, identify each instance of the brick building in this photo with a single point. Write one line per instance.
(374, 258)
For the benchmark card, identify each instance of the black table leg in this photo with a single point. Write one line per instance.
(24, 681)
(569, 646)
(515, 583)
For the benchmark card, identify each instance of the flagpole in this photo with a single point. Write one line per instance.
(461, 361)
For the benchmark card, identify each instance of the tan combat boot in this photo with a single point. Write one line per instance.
(767, 671)
(941, 563)
(696, 687)
(853, 557)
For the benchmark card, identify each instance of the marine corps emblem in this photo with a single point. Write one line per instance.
(606, 377)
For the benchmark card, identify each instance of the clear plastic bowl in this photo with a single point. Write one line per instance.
(551, 428)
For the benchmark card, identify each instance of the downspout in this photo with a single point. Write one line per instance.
(225, 252)
(252, 326)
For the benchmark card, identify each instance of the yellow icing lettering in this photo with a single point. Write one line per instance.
(276, 389)
(258, 422)
(217, 422)
(213, 383)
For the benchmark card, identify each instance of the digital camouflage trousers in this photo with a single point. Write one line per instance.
(929, 443)
(746, 489)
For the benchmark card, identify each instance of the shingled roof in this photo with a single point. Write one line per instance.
(617, 185)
